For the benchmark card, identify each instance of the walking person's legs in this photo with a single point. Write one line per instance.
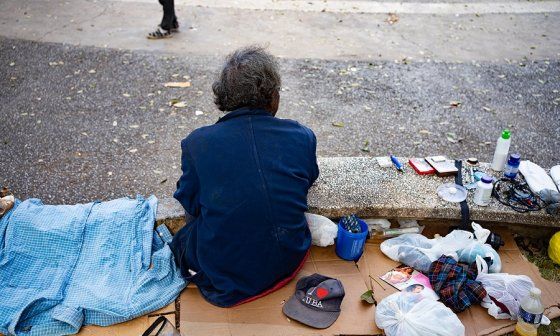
(169, 23)
(169, 20)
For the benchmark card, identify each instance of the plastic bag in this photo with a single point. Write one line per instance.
(468, 255)
(378, 223)
(409, 314)
(417, 251)
(323, 230)
(507, 289)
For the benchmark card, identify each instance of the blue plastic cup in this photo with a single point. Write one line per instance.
(350, 246)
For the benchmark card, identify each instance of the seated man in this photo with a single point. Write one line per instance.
(245, 181)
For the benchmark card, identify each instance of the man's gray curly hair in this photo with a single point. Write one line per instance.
(249, 78)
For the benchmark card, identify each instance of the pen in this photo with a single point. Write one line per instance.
(396, 162)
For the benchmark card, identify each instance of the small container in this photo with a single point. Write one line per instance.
(502, 149)
(483, 193)
(512, 166)
(350, 246)
(530, 314)
(390, 232)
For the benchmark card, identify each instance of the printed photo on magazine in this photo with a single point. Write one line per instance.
(407, 279)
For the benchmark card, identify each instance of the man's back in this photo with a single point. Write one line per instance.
(245, 180)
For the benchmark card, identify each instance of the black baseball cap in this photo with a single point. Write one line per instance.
(316, 301)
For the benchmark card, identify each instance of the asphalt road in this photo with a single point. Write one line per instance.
(78, 124)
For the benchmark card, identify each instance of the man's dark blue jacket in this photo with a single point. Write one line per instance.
(245, 181)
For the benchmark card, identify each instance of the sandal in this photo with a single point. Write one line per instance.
(160, 33)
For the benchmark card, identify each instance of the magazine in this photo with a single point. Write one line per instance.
(407, 279)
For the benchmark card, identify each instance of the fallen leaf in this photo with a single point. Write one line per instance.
(163, 181)
(392, 18)
(133, 150)
(126, 95)
(180, 104)
(425, 132)
(452, 137)
(487, 109)
(198, 113)
(367, 296)
(365, 147)
(157, 172)
(338, 124)
(454, 103)
(134, 126)
(92, 71)
(177, 84)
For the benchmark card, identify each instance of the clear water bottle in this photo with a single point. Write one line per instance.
(530, 314)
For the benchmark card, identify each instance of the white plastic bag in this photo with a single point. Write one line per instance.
(408, 314)
(508, 289)
(417, 251)
(323, 230)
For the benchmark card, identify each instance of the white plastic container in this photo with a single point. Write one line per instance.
(530, 314)
(502, 150)
(483, 193)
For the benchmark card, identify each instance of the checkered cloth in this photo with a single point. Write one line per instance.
(455, 283)
(65, 266)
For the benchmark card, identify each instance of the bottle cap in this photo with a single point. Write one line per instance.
(473, 161)
(506, 134)
(535, 291)
(514, 158)
(486, 179)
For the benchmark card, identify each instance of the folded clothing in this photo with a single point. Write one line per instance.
(456, 283)
(551, 199)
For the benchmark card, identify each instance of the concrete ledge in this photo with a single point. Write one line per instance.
(359, 185)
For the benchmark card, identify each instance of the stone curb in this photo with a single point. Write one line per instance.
(359, 185)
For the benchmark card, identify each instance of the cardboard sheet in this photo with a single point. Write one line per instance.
(264, 316)
(130, 328)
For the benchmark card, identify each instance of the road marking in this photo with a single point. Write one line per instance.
(377, 7)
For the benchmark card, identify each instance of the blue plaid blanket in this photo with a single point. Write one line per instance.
(64, 266)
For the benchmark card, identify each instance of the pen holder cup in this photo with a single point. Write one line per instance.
(350, 246)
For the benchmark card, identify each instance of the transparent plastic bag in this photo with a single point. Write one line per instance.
(417, 251)
(409, 314)
(468, 255)
(507, 289)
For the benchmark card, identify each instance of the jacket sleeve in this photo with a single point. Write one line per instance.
(188, 187)
(314, 166)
